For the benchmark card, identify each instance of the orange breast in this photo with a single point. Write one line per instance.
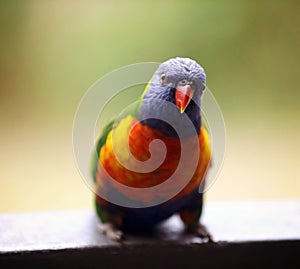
(129, 141)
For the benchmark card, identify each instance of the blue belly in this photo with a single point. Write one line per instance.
(134, 218)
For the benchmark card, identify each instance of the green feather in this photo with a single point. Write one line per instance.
(133, 111)
(101, 141)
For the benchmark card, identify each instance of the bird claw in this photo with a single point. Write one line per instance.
(111, 231)
(199, 230)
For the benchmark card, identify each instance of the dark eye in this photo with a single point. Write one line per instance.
(183, 81)
(163, 77)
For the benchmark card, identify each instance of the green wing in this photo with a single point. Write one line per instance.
(102, 139)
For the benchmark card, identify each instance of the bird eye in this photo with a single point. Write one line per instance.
(163, 77)
(183, 81)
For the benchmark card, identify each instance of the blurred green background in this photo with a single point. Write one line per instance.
(52, 51)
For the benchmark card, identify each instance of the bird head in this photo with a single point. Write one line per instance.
(180, 81)
(181, 78)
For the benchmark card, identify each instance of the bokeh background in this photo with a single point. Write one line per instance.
(51, 52)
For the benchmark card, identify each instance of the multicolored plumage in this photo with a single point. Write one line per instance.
(181, 82)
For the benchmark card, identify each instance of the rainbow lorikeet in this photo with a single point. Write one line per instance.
(181, 83)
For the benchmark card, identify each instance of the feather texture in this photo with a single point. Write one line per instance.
(123, 151)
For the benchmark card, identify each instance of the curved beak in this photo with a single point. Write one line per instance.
(183, 96)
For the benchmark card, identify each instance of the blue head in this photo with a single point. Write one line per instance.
(180, 81)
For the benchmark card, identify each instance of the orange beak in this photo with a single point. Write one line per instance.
(183, 96)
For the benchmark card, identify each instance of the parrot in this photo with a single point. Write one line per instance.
(174, 93)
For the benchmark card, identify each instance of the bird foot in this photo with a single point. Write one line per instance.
(111, 231)
(199, 230)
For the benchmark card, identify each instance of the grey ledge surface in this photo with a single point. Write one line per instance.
(237, 221)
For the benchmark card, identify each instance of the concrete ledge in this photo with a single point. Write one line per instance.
(247, 234)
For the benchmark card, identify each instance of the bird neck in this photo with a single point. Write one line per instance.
(153, 111)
